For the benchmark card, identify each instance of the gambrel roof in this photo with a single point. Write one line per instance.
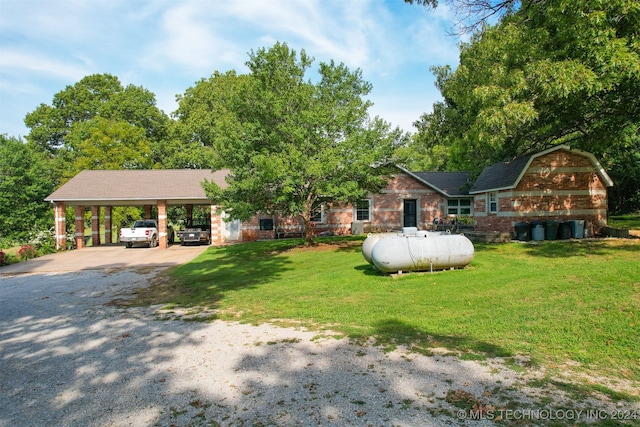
(136, 187)
(507, 175)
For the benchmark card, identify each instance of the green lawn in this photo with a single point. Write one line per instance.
(631, 222)
(568, 305)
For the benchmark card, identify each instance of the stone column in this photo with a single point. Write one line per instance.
(189, 213)
(162, 224)
(147, 212)
(107, 225)
(216, 231)
(60, 226)
(95, 225)
(79, 211)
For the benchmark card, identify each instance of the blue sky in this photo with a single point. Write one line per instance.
(166, 46)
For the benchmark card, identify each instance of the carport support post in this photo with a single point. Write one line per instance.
(107, 225)
(147, 211)
(60, 225)
(189, 213)
(215, 221)
(162, 224)
(79, 227)
(95, 225)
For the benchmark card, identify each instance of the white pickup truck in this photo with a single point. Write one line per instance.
(143, 231)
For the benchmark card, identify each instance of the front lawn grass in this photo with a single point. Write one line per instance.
(570, 304)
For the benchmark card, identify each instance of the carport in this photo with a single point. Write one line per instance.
(146, 188)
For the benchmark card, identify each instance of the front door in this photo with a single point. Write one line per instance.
(410, 213)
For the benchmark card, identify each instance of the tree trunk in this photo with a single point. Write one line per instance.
(308, 232)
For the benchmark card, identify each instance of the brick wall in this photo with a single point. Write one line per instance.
(389, 205)
(560, 185)
(386, 215)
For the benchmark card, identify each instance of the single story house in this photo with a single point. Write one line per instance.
(559, 183)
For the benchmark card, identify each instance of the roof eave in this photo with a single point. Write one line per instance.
(489, 190)
(128, 202)
(596, 164)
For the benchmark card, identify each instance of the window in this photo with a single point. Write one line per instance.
(266, 224)
(459, 207)
(318, 215)
(363, 210)
(492, 202)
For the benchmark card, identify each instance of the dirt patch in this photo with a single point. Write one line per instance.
(319, 247)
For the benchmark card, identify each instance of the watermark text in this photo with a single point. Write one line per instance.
(549, 414)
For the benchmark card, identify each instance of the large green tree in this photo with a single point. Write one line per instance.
(291, 144)
(99, 124)
(24, 183)
(550, 72)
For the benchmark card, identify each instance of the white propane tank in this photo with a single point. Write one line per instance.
(432, 252)
(409, 231)
(370, 241)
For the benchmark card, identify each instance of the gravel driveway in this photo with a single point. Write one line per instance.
(67, 358)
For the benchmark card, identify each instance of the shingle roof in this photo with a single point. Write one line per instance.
(449, 183)
(501, 175)
(129, 187)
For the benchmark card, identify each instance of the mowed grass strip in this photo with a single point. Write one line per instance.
(565, 303)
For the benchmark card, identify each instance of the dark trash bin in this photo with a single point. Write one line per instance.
(564, 230)
(537, 230)
(523, 231)
(577, 229)
(551, 230)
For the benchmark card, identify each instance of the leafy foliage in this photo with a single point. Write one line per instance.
(99, 124)
(551, 72)
(26, 252)
(24, 183)
(290, 144)
(105, 144)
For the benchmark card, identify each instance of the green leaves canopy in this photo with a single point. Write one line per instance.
(24, 183)
(555, 71)
(290, 144)
(99, 124)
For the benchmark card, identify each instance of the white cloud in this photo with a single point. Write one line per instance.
(189, 40)
(18, 63)
(167, 45)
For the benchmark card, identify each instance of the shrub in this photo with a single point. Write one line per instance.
(44, 241)
(26, 252)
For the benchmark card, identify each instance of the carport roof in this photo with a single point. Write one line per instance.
(136, 187)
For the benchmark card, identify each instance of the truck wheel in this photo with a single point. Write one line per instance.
(129, 244)
(153, 242)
